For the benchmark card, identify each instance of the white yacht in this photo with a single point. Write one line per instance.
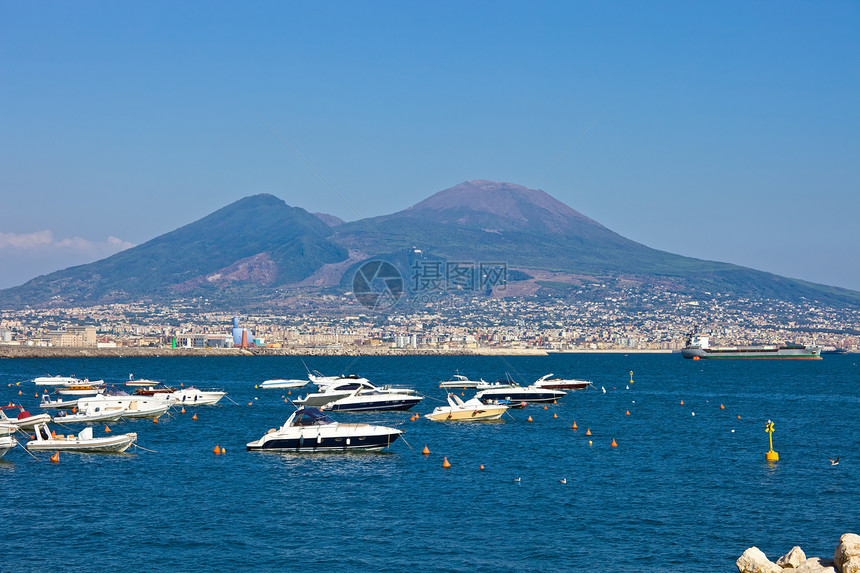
(472, 410)
(519, 394)
(283, 383)
(553, 382)
(460, 381)
(191, 396)
(84, 442)
(309, 430)
(346, 387)
(375, 400)
(56, 381)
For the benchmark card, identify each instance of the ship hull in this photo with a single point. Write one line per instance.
(753, 353)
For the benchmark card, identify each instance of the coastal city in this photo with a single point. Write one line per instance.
(651, 321)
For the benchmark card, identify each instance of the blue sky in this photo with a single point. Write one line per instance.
(721, 130)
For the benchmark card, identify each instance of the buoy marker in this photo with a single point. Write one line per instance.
(628, 413)
(182, 411)
(770, 455)
(217, 450)
(155, 420)
(107, 430)
(722, 407)
(56, 458)
(544, 406)
(554, 415)
(614, 444)
(426, 450)
(482, 466)
(682, 402)
(530, 419)
(588, 432)
(194, 417)
(446, 463)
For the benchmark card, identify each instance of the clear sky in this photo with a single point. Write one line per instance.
(720, 130)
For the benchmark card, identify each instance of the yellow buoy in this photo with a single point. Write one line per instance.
(771, 455)
(573, 427)
(56, 457)
(217, 450)
(589, 442)
(107, 430)
(446, 463)
(631, 377)
(223, 450)
(426, 450)
(255, 386)
(194, 417)
(614, 444)
(530, 419)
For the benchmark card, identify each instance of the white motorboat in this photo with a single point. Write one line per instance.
(82, 442)
(7, 441)
(344, 388)
(133, 406)
(145, 409)
(140, 383)
(519, 394)
(82, 388)
(325, 382)
(309, 430)
(23, 419)
(471, 410)
(94, 413)
(498, 384)
(367, 400)
(191, 396)
(282, 383)
(555, 383)
(58, 403)
(56, 380)
(460, 381)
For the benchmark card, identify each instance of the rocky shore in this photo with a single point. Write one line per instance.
(846, 559)
(134, 351)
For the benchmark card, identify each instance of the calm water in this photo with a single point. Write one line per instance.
(682, 492)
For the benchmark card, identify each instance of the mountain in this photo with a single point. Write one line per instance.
(257, 241)
(259, 244)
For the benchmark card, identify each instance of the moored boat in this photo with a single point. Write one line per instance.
(7, 441)
(519, 394)
(698, 347)
(56, 380)
(471, 410)
(460, 381)
(283, 383)
(23, 419)
(309, 430)
(555, 383)
(364, 400)
(82, 442)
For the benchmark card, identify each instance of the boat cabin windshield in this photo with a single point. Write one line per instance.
(311, 417)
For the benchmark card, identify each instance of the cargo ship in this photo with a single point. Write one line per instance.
(698, 347)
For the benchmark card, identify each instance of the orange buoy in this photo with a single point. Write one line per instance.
(74, 409)
(722, 407)
(289, 391)
(544, 406)
(554, 415)
(482, 466)
(695, 357)
(56, 458)
(739, 416)
(530, 419)
(249, 403)
(628, 413)
(682, 402)
(19, 392)
(555, 401)
(614, 444)
(426, 450)
(446, 463)
(462, 393)
(107, 430)
(217, 450)
(182, 411)
(588, 432)
(181, 385)
(37, 395)
(573, 427)
(155, 420)
(53, 433)
(194, 417)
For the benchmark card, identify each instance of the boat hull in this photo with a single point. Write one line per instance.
(565, 385)
(283, 384)
(324, 444)
(481, 415)
(765, 353)
(513, 395)
(113, 444)
(371, 405)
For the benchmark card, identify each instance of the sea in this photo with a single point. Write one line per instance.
(687, 488)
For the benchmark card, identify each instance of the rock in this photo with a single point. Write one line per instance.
(754, 561)
(793, 559)
(816, 565)
(847, 555)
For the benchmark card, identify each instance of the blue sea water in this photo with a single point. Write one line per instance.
(687, 488)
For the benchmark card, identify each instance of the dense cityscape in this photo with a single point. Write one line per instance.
(649, 320)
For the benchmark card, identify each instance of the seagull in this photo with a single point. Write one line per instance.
(604, 389)
(834, 462)
(562, 480)
(517, 479)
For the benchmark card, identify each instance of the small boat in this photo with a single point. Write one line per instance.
(282, 383)
(7, 441)
(56, 380)
(145, 409)
(519, 394)
(191, 396)
(24, 419)
(133, 406)
(506, 382)
(94, 413)
(58, 403)
(365, 400)
(309, 430)
(471, 410)
(82, 388)
(555, 383)
(140, 383)
(82, 442)
(460, 381)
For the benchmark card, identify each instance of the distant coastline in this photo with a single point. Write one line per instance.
(136, 352)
